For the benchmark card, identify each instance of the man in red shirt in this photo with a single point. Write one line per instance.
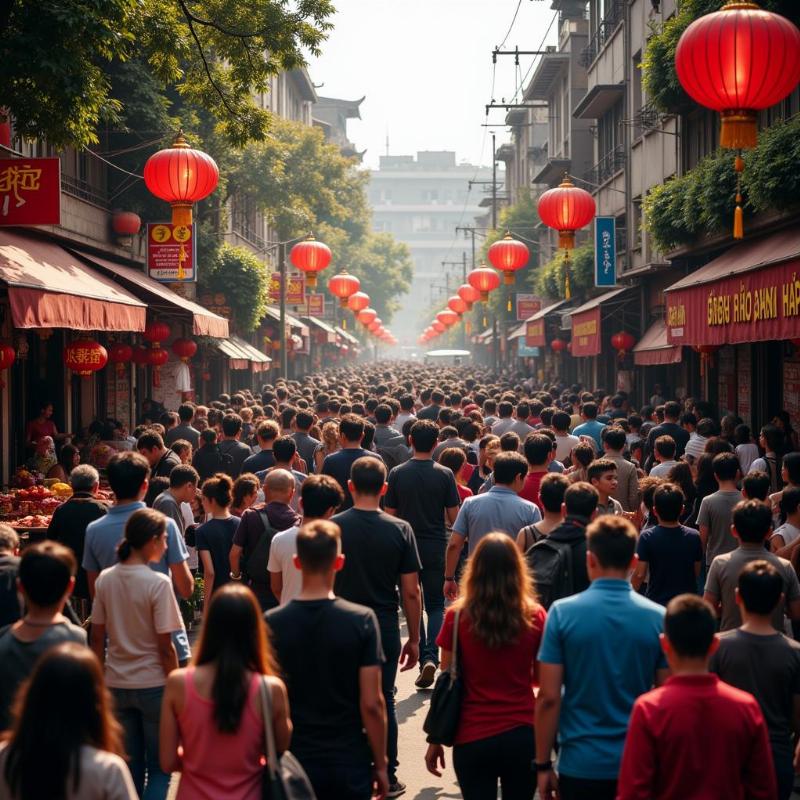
(695, 736)
(539, 453)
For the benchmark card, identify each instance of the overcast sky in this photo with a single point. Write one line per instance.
(425, 67)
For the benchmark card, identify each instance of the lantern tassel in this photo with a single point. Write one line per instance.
(567, 292)
(738, 214)
(508, 305)
(739, 130)
(344, 324)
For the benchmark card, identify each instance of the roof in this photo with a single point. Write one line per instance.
(550, 67)
(598, 301)
(543, 312)
(553, 170)
(253, 353)
(654, 349)
(303, 81)
(351, 108)
(318, 323)
(345, 335)
(275, 314)
(518, 332)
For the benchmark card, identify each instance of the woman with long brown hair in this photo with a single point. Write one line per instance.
(212, 710)
(65, 743)
(328, 445)
(500, 626)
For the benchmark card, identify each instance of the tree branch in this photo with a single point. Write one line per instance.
(192, 17)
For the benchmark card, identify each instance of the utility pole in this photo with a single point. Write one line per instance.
(282, 323)
(494, 181)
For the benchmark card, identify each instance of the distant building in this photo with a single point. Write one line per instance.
(331, 114)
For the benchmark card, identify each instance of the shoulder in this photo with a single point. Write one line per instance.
(647, 609)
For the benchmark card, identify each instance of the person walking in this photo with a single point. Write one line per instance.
(500, 627)
(338, 464)
(306, 444)
(212, 725)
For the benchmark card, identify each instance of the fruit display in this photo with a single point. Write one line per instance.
(25, 478)
(62, 490)
(32, 521)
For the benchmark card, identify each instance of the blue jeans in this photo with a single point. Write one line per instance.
(139, 711)
(431, 578)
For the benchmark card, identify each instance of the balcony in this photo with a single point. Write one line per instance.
(83, 190)
(605, 30)
(607, 167)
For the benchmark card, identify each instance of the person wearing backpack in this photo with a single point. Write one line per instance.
(551, 496)
(558, 561)
(208, 459)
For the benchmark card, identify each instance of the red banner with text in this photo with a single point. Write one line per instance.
(30, 191)
(586, 333)
(535, 333)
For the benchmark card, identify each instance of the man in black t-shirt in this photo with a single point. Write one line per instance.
(380, 555)
(338, 464)
(424, 494)
(330, 654)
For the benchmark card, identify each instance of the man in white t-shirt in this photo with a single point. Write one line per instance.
(565, 441)
(320, 497)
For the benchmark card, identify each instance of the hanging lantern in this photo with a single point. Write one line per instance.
(184, 348)
(374, 325)
(622, 342)
(456, 304)
(156, 358)
(140, 356)
(485, 280)
(181, 176)
(447, 317)
(156, 332)
(358, 301)
(558, 345)
(311, 257)
(439, 327)
(738, 61)
(366, 316)
(343, 286)
(469, 294)
(706, 352)
(85, 356)
(508, 255)
(120, 354)
(126, 223)
(7, 357)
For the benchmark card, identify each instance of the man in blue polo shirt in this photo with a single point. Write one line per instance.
(601, 649)
(127, 476)
(501, 509)
(590, 426)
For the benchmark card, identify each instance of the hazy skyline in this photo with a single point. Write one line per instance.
(425, 67)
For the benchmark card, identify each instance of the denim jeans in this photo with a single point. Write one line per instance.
(138, 711)
(346, 781)
(431, 578)
(390, 639)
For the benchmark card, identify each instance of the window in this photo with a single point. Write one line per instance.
(636, 233)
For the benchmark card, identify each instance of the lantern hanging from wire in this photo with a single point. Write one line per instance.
(469, 294)
(85, 357)
(310, 257)
(156, 332)
(343, 286)
(508, 255)
(456, 304)
(358, 301)
(558, 345)
(622, 342)
(706, 353)
(447, 317)
(366, 315)
(485, 280)
(439, 327)
(156, 358)
(184, 348)
(120, 354)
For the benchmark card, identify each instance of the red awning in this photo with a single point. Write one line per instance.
(49, 287)
(653, 348)
(204, 322)
(587, 339)
(751, 293)
(535, 333)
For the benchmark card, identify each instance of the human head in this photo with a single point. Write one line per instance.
(613, 439)
(218, 489)
(611, 546)
(752, 521)
(589, 411)
(367, 477)
(245, 491)
(424, 435)
(383, 414)
(9, 540)
(560, 421)
(183, 449)
(279, 486)
(351, 429)
(127, 476)
(69, 458)
(672, 411)
(303, 421)
(146, 534)
(510, 470)
(668, 502)
(319, 548)
(689, 630)
(47, 574)
(183, 482)
(208, 437)
(770, 439)
(231, 426)
(582, 454)
(756, 485)
(791, 469)
(151, 446)
(790, 502)
(284, 450)
(760, 588)
(552, 490)
(186, 412)
(538, 450)
(267, 432)
(84, 478)
(320, 497)
(454, 459)
(665, 448)
(602, 474)
(726, 467)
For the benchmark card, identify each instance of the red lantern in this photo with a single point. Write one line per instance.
(140, 355)
(311, 257)
(469, 294)
(358, 301)
(343, 286)
(156, 332)
(374, 325)
(566, 209)
(184, 348)
(126, 223)
(85, 356)
(156, 358)
(120, 354)
(455, 303)
(622, 342)
(447, 317)
(439, 327)
(558, 345)
(7, 358)
(485, 280)
(508, 255)
(181, 176)
(366, 316)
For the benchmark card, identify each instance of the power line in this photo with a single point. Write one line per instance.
(511, 26)
(534, 62)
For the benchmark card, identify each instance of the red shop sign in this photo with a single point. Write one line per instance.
(534, 333)
(586, 333)
(316, 304)
(171, 252)
(527, 305)
(295, 289)
(30, 191)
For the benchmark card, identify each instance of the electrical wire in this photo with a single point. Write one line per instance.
(111, 164)
(511, 26)
(535, 59)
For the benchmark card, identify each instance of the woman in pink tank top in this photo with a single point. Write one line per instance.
(212, 728)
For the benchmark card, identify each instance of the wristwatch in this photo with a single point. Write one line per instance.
(236, 577)
(544, 766)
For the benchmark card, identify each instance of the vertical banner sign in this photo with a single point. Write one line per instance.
(295, 289)
(605, 251)
(527, 305)
(316, 304)
(30, 191)
(171, 252)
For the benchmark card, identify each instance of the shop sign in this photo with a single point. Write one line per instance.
(527, 305)
(171, 252)
(758, 306)
(315, 304)
(30, 191)
(586, 333)
(217, 303)
(295, 289)
(534, 333)
(605, 251)
(524, 351)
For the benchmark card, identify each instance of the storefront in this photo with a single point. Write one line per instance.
(658, 362)
(540, 330)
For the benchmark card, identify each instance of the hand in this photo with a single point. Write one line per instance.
(409, 655)
(797, 759)
(548, 785)
(435, 756)
(450, 590)
(380, 783)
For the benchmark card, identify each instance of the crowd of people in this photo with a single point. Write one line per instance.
(615, 586)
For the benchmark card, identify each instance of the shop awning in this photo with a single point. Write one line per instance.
(587, 337)
(348, 337)
(237, 358)
(535, 333)
(653, 348)
(258, 361)
(323, 327)
(274, 313)
(518, 332)
(48, 287)
(751, 293)
(204, 322)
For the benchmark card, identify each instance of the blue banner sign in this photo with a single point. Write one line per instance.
(605, 251)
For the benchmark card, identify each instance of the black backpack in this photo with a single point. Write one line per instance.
(255, 565)
(551, 565)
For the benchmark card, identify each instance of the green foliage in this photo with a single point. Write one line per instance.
(242, 278)
(550, 278)
(771, 178)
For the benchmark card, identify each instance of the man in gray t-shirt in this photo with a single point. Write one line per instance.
(716, 510)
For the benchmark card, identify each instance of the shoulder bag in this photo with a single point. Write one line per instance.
(441, 723)
(284, 777)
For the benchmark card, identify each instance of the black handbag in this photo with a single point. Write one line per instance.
(441, 723)
(284, 777)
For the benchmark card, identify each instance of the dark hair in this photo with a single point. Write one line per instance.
(424, 434)
(561, 421)
(599, 467)
(382, 413)
(706, 427)
(752, 520)
(182, 474)
(614, 437)
(756, 485)
(681, 475)
(287, 415)
(149, 440)
(67, 456)
(268, 430)
(725, 466)
(156, 486)
(665, 446)
(581, 499)
(231, 424)
(126, 473)
(552, 490)
(583, 453)
(45, 570)
(689, 625)
(318, 543)
(352, 428)
(791, 463)
(234, 639)
(589, 410)
(320, 493)
(672, 410)
(742, 434)
(368, 474)
(453, 458)
(790, 500)
(185, 412)
(218, 488)
(505, 409)
(509, 442)
(284, 449)
(62, 707)
(668, 502)
(507, 467)
(303, 420)
(760, 587)
(181, 446)
(612, 540)
(141, 528)
(538, 448)
(773, 436)
(209, 436)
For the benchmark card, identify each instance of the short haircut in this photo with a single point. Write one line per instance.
(303, 420)
(509, 442)
(284, 449)
(689, 625)
(505, 409)
(84, 478)
(725, 466)
(612, 541)
(561, 421)
(219, 488)
(589, 410)
(150, 440)
(668, 501)
(185, 412)
(791, 463)
(706, 427)
(383, 413)
(453, 458)
(599, 467)
(760, 587)
(318, 544)
(45, 570)
(790, 500)
(181, 475)
(672, 410)
(756, 485)
(368, 475)
(209, 436)
(9, 540)
(538, 449)
(268, 430)
(319, 494)
(752, 520)
(551, 491)
(181, 446)
(352, 428)
(665, 446)
(581, 499)
(231, 424)
(614, 437)
(126, 473)
(507, 466)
